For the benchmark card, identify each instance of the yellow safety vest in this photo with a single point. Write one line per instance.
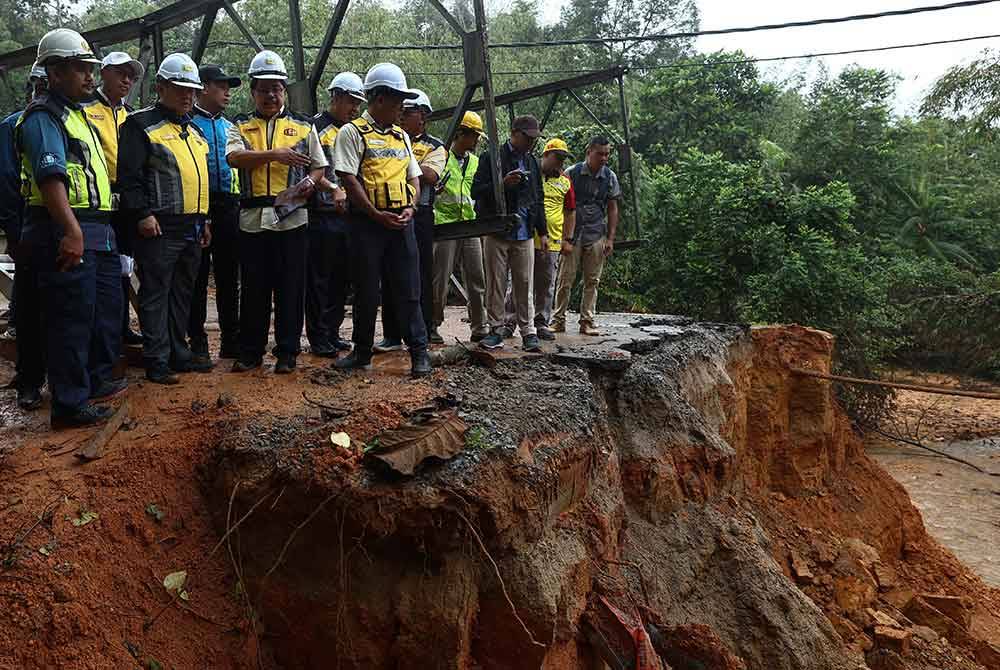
(554, 190)
(384, 164)
(107, 120)
(327, 139)
(177, 167)
(288, 129)
(88, 182)
(454, 202)
(422, 147)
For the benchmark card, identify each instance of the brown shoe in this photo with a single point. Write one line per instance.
(587, 329)
(558, 327)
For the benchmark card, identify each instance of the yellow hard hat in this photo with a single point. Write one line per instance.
(558, 146)
(472, 121)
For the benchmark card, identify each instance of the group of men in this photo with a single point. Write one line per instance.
(290, 213)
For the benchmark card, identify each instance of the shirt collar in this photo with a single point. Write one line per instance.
(585, 169)
(60, 99)
(202, 112)
(513, 151)
(370, 119)
(172, 117)
(281, 112)
(104, 98)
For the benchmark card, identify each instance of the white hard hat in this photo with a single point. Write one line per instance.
(420, 101)
(349, 83)
(37, 72)
(180, 69)
(387, 75)
(268, 65)
(122, 58)
(64, 44)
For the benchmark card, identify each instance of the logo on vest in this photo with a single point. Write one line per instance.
(97, 117)
(374, 142)
(291, 132)
(47, 160)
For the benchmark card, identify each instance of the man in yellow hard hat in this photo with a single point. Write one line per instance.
(454, 203)
(560, 210)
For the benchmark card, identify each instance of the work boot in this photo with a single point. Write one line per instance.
(387, 345)
(434, 337)
(544, 333)
(161, 374)
(197, 363)
(246, 364)
(323, 350)
(353, 361)
(492, 341)
(588, 329)
(109, 390)
(531, 343)
(479, 334)
(341, 345)
(558, 326)
(29, 399)
(420, 363)
(506, 332)
(285, 365)
(87, 415)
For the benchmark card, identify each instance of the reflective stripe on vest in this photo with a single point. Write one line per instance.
(107, 121)
(88, 181)
(422, 147)
(384, 165)
(327, 139)
(177, 167)
(454, 202)
(259, 185)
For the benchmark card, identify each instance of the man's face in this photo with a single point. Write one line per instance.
(414, 121)
(269, 96)
(74, 79)
(345, 107)
(178, 99)
(386, 109)
(553, 161)
(216, 96)
(117, 80)
(598, 155)
(522, 141)
(466, 141)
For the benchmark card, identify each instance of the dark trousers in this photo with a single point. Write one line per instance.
(390, 258)
(124, 227)
(167, 266)
(223, 257)
(82, 315)
(327, 281)
(273, 263)
(28, 321)
(423, 229)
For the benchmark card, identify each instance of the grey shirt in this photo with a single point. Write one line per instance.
(592, 196)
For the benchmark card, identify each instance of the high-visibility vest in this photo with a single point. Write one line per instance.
(422, 147)
(454, 202)
(222, 178)
(384, 164)
(327, 129)
(288, 129)
(88, 181)
(108, 121)
(177, 168)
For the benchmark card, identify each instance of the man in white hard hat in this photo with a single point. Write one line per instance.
(28, 320)
(275, 149)
(222, 257)
(375, 163)
(431, 157)
(454, 203)
(328, 275)
(107, 111)
(68, 231)
(163, 178)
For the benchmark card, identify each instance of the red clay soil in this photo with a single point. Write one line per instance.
(91, 595)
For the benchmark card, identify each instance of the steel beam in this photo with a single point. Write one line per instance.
(241, 24)
(298, 55)
(140, 90)
(200, 42)
(460, 230)
(455, 24)
(549, 110)
(459, 111)
(633, 182)
(607, 131)
(157, 46)
(489, 107)
(332, 29)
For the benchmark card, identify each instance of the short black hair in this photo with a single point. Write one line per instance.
(384, 90)
(598, 141)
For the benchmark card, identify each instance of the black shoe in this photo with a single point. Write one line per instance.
(198, 363)
(353, 361)
(29, 399)
(109, 390)
(131, 338)
(229, 351)
(323, 350)
(285, 365)
(387, 345)
(10, 333)
(420, 364)
(478, 335)
(531, 343)
(246, 364)
(341, 345)
(161, 374)
(88, 415)
(492, 341)
(545, 334)
(434, 337)
(506, 332)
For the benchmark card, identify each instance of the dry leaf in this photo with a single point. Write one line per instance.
(405, 448)
(86, 516)
(341, 440)
(175, 581)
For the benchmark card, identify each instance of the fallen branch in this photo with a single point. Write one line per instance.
(939, 390)
(337, 412)
(942, 454)
(8, 550)
(94, 449)
(503, 586)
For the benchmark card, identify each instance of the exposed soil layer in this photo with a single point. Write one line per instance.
(698, 506)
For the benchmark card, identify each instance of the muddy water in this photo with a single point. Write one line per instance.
(961, 507)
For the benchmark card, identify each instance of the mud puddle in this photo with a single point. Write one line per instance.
(961, 507)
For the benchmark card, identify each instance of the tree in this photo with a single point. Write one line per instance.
(969, 92)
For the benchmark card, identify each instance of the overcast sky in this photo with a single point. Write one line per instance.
(919, 67)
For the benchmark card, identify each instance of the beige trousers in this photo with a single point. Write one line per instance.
(470, 252)
(591, 257)
(519, 258)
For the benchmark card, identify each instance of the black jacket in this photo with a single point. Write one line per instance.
(527, 194)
